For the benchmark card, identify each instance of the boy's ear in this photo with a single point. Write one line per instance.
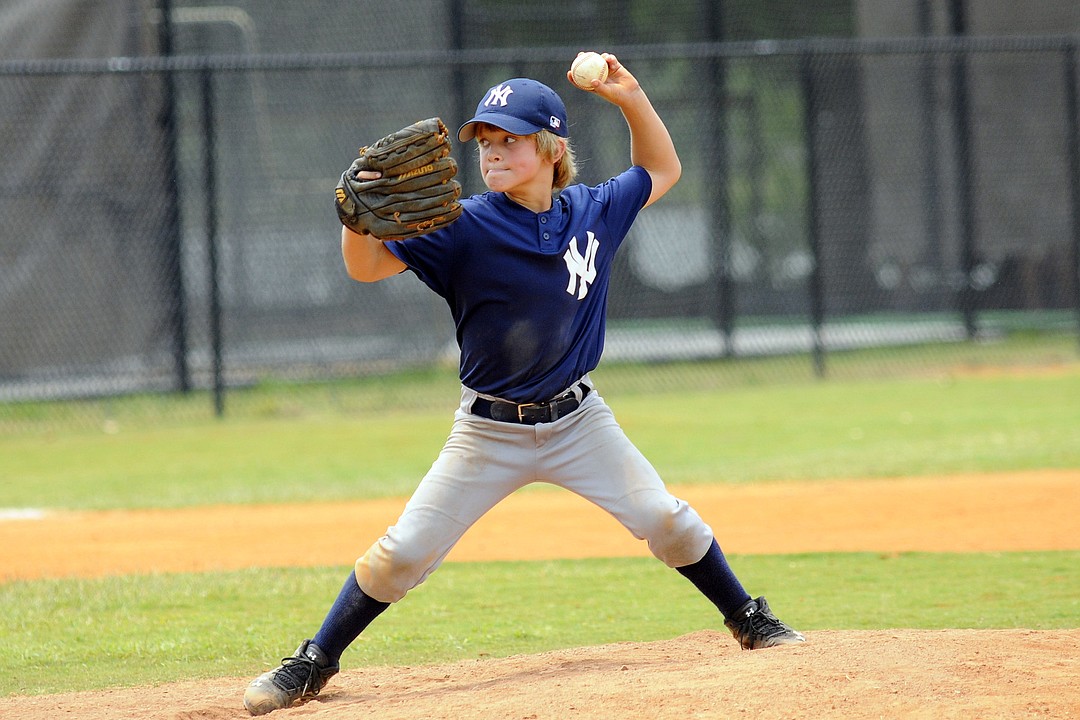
(560, 151)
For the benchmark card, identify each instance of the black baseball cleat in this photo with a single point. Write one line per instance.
(297, 679)
(755, 627)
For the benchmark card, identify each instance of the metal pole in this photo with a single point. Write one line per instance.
(206, 87)
(813, 220)
(934, 252)
(1072, 151)
(459, 97)
(965, 175)
(173, 270)
(719, 206)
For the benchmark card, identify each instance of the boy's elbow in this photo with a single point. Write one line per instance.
(669, 173)
(357, 256)
(367, 258)
(664, 180)
(357, 274)
(365, 272)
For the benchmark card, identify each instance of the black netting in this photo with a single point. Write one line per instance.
(886, 187)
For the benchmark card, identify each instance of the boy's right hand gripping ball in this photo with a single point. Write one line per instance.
(417, 192)
(587, 68)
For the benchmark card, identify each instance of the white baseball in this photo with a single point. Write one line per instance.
(587, 67)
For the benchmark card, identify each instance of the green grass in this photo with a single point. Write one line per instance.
(60, 635)
(241, 461)
(880, 413)
(796, 430)
(860, 428)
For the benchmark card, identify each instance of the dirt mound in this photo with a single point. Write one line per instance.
(854, 674)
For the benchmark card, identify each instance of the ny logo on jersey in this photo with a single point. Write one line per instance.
(582, 267)
(498, 94)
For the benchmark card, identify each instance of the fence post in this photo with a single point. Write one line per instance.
(964, 173)
(459, 96)
(719, 206)
(173, 268)
(1072, 151)
(813, 221)
(206, 88)
(934, 254)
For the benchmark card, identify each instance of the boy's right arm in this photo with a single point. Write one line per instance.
(366, 257)
(650, 143)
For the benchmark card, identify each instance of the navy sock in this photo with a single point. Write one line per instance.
(349, 615)
(715, 579)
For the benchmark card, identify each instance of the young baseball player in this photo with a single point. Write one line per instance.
(525, 272)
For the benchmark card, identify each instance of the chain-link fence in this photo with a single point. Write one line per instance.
(166, 218)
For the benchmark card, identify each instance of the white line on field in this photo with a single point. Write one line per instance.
(21, 514)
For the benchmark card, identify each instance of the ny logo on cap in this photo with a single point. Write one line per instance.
(498, 94)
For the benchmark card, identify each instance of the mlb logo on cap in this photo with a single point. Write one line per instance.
(519, 106)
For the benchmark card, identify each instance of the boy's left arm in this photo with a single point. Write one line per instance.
(651, 146)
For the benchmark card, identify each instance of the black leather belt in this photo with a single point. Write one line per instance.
(530, 413)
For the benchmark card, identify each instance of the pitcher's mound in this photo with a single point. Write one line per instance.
(850, 674)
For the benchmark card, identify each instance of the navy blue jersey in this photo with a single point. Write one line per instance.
(528, 291)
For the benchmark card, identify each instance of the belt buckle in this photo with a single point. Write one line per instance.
(526, 406)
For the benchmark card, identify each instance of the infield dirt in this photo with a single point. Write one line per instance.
(851, 674)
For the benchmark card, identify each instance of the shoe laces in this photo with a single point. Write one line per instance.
(300, 672)
(758, 623)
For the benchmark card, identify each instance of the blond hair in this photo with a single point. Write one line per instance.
(548, 145)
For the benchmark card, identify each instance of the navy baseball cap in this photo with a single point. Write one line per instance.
(521, 107)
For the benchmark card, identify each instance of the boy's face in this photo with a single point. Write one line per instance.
(511, 163)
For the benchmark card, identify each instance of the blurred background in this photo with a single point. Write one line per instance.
(897, 176)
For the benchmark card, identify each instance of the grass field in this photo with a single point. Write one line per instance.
(734, 424)
(749, 427)
(62, 635)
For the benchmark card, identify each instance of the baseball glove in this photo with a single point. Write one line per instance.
(417, 192)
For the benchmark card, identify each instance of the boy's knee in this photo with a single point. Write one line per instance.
(676, 534)
(407, 554)
(387, 574)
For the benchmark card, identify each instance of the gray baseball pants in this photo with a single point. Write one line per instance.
(484, 461)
